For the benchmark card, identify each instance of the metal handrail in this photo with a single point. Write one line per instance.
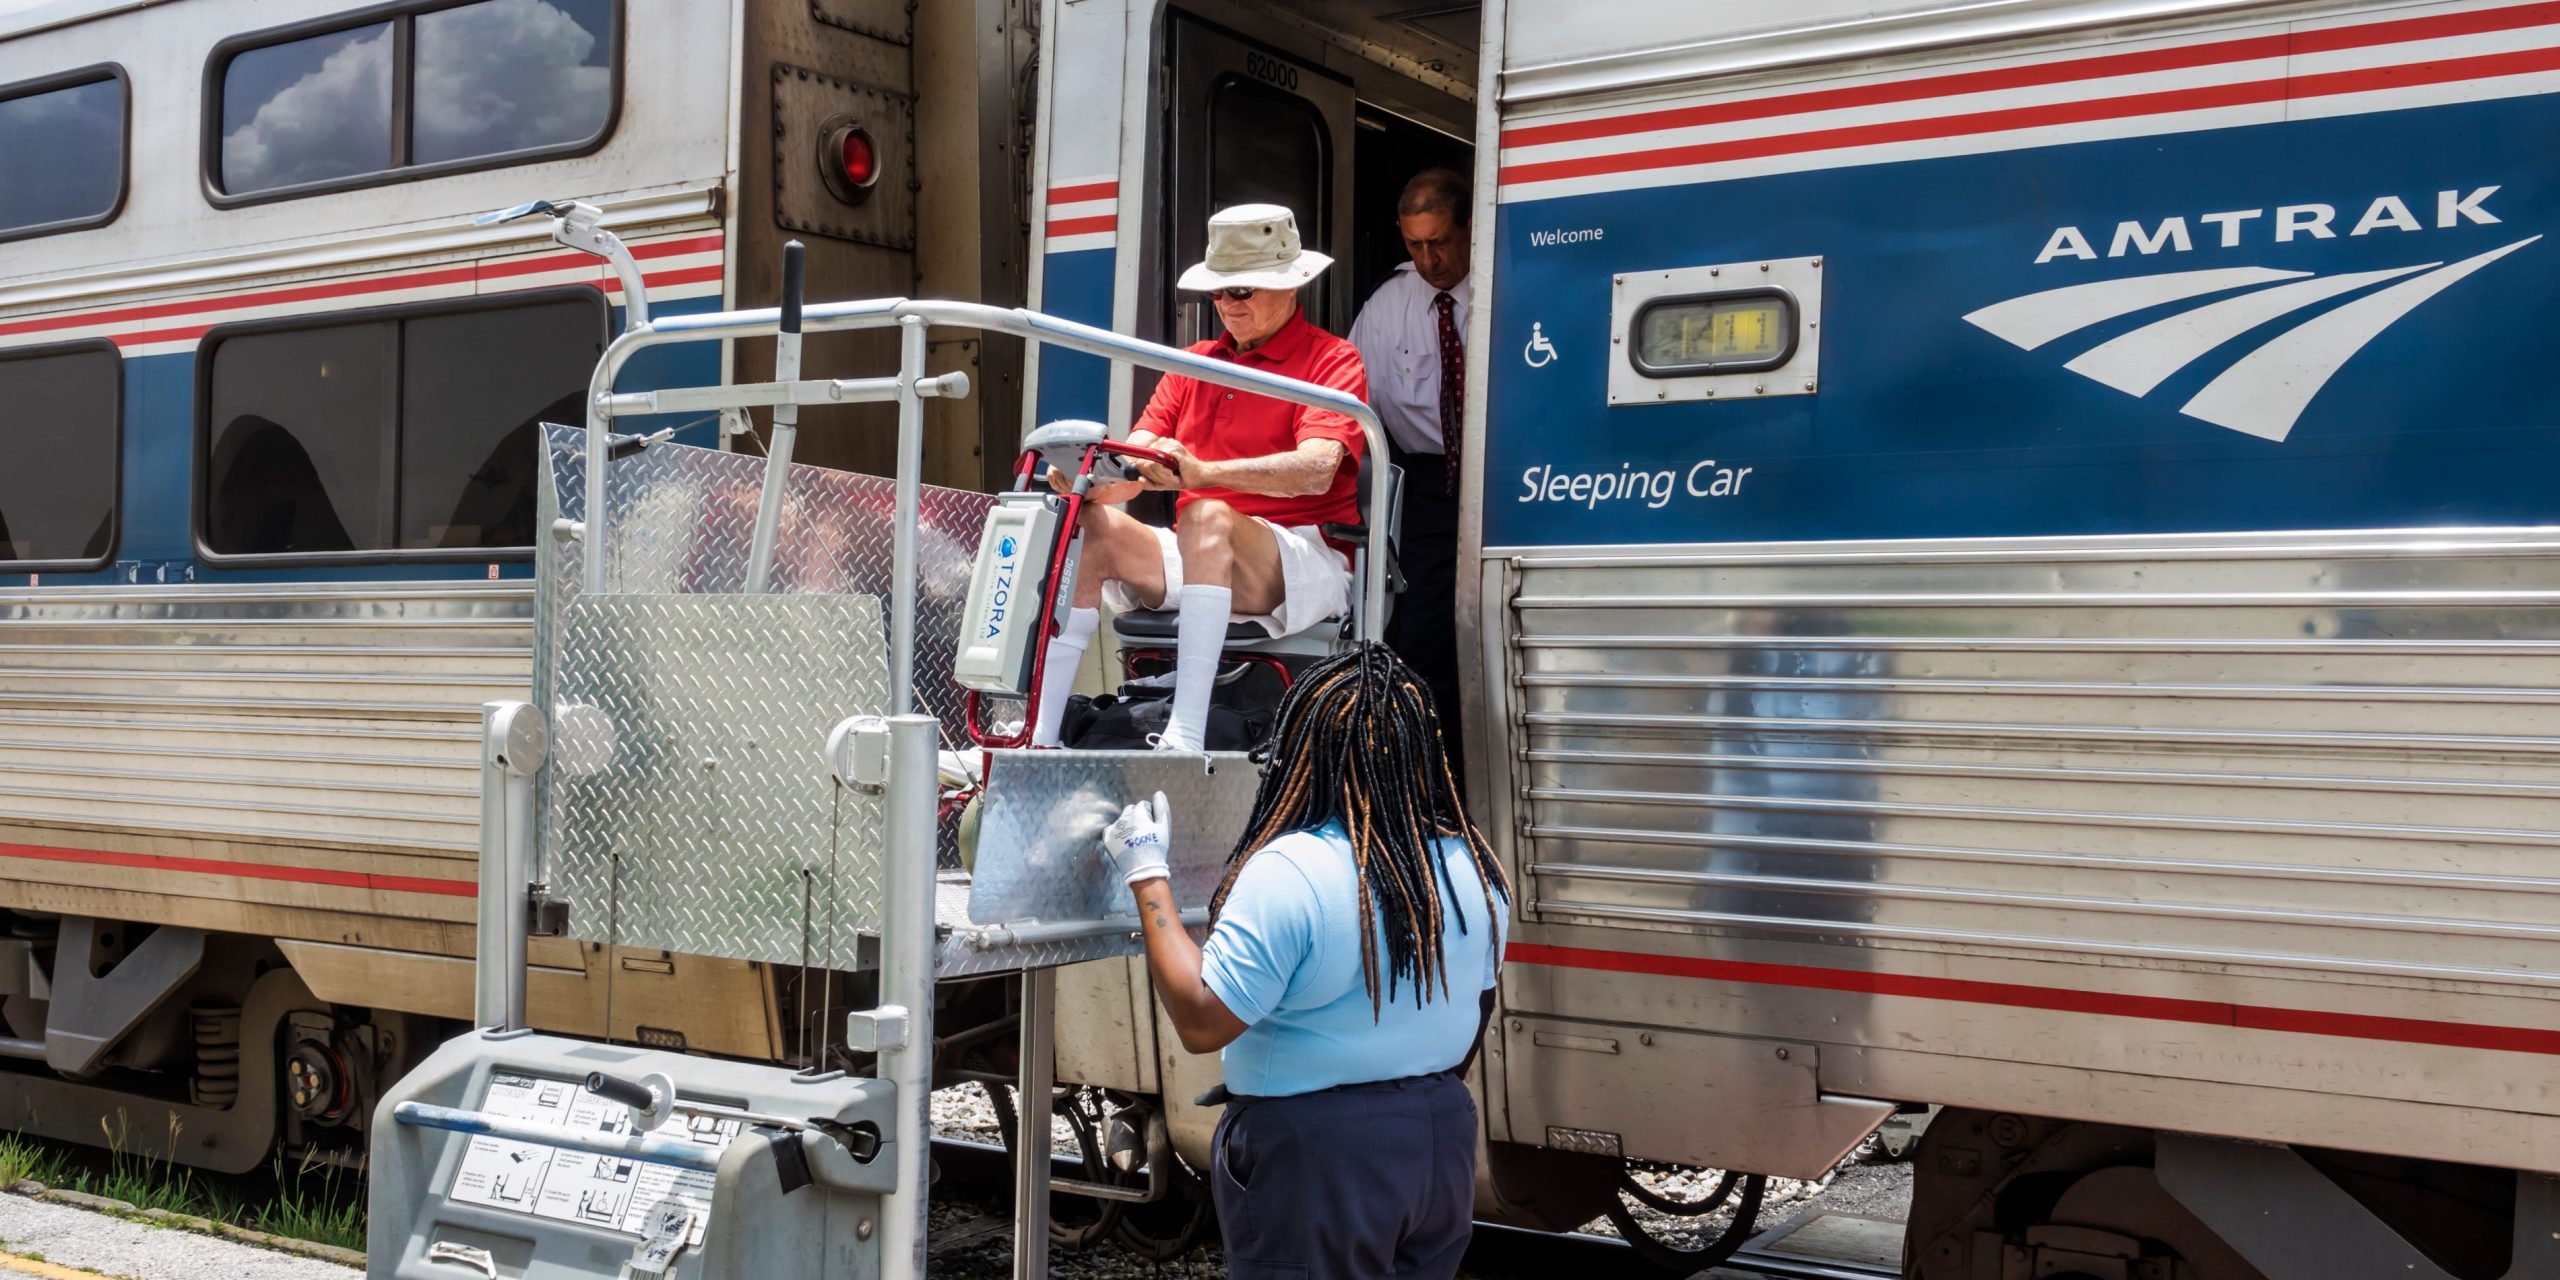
(1032, 326)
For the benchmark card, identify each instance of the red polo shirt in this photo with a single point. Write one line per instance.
(1217, 424)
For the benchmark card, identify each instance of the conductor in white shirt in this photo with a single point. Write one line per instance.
(1412, 338)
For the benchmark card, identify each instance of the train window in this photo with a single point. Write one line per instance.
(511, 76)
(409, 91)
(477, 385)
(61, 152)
(402, 432)
(295, 463)
(308, 110)
(63, 418)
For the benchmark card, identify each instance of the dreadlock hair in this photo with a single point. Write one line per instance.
(1358, 742)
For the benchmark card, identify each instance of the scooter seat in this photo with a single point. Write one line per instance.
(1163, 624)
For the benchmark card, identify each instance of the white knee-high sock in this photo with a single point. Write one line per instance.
(1058, 676)
(1200, 636)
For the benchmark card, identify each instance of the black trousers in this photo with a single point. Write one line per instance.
(1423, 629)
(1364, 1182)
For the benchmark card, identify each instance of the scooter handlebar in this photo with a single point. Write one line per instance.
(1134, 453)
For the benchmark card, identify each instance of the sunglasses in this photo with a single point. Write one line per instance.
(1238, 294)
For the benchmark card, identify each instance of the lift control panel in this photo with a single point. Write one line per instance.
(520, 1156)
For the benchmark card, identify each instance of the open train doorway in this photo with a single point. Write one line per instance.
(1326, 107)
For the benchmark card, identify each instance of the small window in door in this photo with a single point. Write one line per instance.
(1268, 148)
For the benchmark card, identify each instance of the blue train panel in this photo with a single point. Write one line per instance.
(1075, 285)
(2333, 323)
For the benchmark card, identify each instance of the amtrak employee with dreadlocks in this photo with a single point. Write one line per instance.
(1350, 964)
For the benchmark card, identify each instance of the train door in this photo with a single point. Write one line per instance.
(1250, 124)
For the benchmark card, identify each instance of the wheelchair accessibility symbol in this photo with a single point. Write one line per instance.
(1540, 352)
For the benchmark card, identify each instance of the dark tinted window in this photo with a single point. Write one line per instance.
(407, 433)
(1267, 148)
(59, 417)
(61, 155)
(493, 78)
(476, 387)
(295, 463)
(511, 75)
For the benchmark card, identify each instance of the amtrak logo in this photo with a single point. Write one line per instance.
(2263, 393)
(1004, 548)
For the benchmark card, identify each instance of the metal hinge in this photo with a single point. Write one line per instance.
(545, 916)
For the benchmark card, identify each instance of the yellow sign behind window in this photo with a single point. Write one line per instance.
(1704, 335)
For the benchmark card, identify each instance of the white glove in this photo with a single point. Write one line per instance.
(1139, 840)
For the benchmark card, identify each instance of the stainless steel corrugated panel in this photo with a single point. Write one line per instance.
(321, 715)
(2292, 752)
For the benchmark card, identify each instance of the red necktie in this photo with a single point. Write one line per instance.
(1453, 387)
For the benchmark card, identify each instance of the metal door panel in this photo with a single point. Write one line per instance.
(1207, 61)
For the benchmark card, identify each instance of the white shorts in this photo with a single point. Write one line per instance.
(1315, 579)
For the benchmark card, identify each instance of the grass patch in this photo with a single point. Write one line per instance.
(23, 1159)
(323, 1204)
(145, 1181)
(315, 1201)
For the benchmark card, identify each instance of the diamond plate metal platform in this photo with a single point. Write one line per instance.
(687, 807)
(765, 861)
(681, 519)
(694, 812)
(1043, 894)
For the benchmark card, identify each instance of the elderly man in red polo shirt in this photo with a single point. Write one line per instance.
(1258, 478)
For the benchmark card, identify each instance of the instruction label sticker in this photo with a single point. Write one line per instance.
(615, 1193)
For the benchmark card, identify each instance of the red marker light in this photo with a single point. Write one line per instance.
(857, 158)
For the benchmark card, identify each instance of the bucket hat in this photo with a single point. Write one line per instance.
(1254, 246)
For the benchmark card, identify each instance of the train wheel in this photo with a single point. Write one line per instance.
(1674, 1259)
(1172, 1226)
(1673, 1205)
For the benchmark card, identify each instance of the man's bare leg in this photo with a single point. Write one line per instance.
(1230, 565)
(1223, 547)
(1111, 545)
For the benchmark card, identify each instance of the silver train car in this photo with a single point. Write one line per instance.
(267, 525)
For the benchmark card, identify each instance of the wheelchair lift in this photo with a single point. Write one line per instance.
(732, 752)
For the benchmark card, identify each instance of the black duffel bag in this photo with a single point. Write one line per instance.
(1241, 712)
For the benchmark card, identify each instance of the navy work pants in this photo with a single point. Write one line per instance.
(1363, 1182)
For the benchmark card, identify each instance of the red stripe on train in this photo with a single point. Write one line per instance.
(1082, 191)
(2139, 62)
(244, 870)
(352, 288)
(661, 280)
(2326, 84)
(1083, 226)
(2210, 1013)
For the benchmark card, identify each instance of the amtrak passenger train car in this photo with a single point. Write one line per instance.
(2010, 563)
(268, 509)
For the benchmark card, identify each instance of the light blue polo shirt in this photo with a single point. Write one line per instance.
(1285, 960)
